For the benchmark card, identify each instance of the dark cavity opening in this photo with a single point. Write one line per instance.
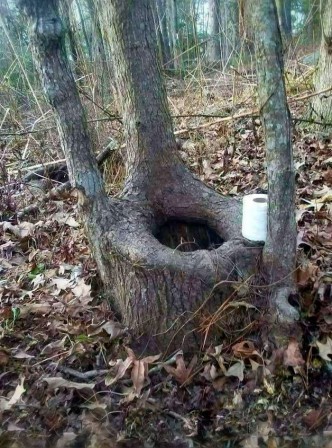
(188, 236)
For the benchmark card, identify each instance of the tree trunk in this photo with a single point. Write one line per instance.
(224, 30)
(284, 8)
(101, 62)
(312, 21)
(322, 104)
(214, 54)
(64, 7)
(229, 21)
(172, 19)
(160, 292)
(162, 19)
(279, 255)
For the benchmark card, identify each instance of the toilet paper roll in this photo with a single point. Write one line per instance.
(254, 217)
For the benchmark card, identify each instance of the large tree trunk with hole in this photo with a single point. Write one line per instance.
(279, 255)
(322, 104)
(159, 290)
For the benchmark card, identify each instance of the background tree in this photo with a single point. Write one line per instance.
(279, 254)
(284, 8)
(224, 30)
(214, 43)
(322, 104)
(164, 34)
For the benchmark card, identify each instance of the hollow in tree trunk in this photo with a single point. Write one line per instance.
(160, 291)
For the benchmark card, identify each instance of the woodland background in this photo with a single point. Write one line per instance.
(68, 375)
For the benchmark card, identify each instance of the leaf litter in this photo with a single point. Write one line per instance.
(68, 374)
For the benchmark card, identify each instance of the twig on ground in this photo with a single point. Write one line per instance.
(77, 374)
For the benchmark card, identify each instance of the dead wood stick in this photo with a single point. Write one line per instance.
(63, 187)
(39, 165)
(247, 114)
(77, 374)
(39, 169)
(310, 95)
(181, 131)
(220, 120)
(50, 195)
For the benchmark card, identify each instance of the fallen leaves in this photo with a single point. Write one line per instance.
(21, 231)
(325, 349)
(236, 370)
(181, 372)
(292, 355)
(5, 404)
(139, 370)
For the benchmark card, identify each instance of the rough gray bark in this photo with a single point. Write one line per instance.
(284, 8)
(159, 291)
(322, 104)
(279, 255)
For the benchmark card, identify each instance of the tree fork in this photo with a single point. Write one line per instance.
(156, 289)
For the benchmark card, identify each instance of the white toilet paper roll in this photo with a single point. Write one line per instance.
(254, 217)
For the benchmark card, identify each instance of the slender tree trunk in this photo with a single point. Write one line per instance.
(171, 8)
(312, 18)
(279, 255)
(214, 52)
(284, 8)
(224, 30)
(322, 104)
(229, 21)
(102, 66)
(159, 291)
(162, 18)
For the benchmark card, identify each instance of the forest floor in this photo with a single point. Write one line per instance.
(68, 377)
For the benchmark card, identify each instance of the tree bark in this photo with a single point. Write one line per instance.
(224, 30)
(159, 291)
(162, 19)
(322, 104)
(279, 255)
(65, 7)
(214, 48)
(172, 19)
(284, 8)
(229, 29)
(312, 21)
